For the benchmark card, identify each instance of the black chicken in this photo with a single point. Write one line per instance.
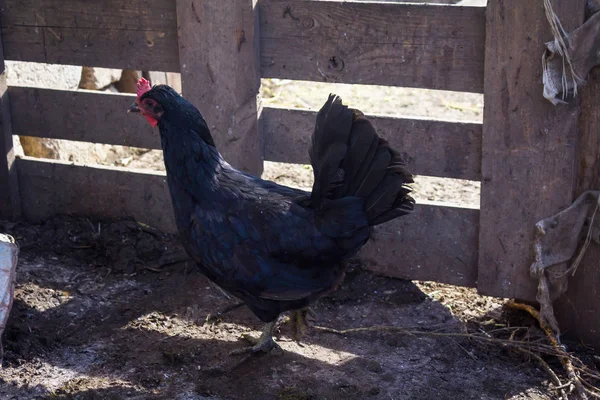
(274, 247)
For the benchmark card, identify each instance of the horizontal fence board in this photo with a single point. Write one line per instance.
(50, 187)
(87, 116)
(137, 34)
(410, 45)
(434, 148)
(434, 243)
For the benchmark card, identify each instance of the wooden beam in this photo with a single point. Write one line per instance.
(453, 149)
(435, 243)
(588, 174)
(219, 55)
(10, 207)
(136, 34)
(410, 45)
(578, 309)
(529, 145)
(437, 47)
(100, 191)
(434, 148)
(86, 116)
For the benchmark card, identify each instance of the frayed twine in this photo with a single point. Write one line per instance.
(569, 79)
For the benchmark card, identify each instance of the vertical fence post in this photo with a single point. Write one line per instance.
(578, 310)
(529, 145)
(220, 74)
(10, 207)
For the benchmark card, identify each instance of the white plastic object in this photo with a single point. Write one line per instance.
(9, 252)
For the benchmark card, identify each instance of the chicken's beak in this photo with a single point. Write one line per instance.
(133, 108)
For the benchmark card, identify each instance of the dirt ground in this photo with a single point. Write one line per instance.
(101, 312)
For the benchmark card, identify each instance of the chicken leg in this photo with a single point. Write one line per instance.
(299, 322)
(264, 343)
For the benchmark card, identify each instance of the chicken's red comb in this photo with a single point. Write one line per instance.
(142, 87)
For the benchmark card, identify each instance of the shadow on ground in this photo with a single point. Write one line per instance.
(96, 316)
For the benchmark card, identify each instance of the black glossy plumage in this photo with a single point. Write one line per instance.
(275, 247)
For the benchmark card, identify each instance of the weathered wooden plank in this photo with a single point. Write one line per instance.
(87, 116)
(434, 243)
(51, 187)
(588, 176)
(577, 311)
(137, 34)
(414, 1)
(529, 146)
(220, 74)
(436, 47)
(434, 148)
(411, 45)
(10, 207)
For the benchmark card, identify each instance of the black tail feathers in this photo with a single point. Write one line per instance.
(349, 159)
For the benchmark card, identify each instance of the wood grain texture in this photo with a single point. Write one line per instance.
(86, 116)
(434, 148)
(10, 207)
(588, 176)
(529, 146)
(410, 45)
(434, 243)
(438, 47)
(137, 34)
(220, 74)
(577, 311)
(53, 187)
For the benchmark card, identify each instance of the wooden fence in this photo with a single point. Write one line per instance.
(525, 153)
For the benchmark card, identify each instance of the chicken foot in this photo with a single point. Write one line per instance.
(264, 343)
(299, 322)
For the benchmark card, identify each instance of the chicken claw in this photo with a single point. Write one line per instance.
(264, 343)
